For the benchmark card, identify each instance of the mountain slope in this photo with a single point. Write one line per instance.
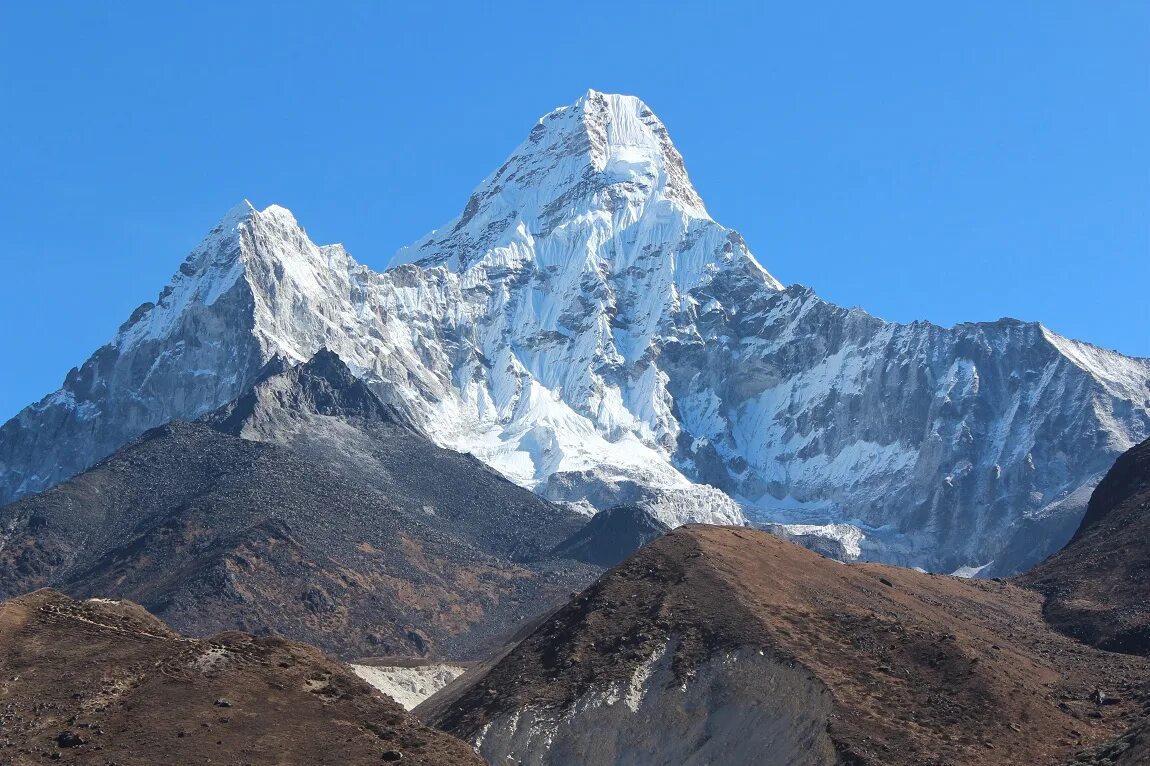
(586, 328)
(1131, 748)
(1098, 586)
(104, 682)
(322, 411)
(611, 536)
(414, 550)
(753, 649)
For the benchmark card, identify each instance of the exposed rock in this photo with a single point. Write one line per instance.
(70, 739)
(341, 528)
(585, 327)
(611, 536)
(1130, 748)
(836, 541)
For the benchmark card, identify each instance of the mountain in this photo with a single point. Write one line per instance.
(1098, 587)
(385, 545)
(611, 536)
(104, 682)
(587, 329)
(752, 649)
(322, 411)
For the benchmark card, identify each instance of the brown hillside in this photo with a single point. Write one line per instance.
(921, 669)
(99, 682)
(1098, 586)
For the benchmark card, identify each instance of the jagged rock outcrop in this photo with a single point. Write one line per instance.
(585, 327)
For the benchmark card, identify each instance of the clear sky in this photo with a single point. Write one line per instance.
(942, 161)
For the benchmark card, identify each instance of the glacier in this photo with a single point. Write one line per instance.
(586, 328)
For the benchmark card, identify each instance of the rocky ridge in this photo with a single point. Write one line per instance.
(1098, 587)
(340, 527)
(611, 536)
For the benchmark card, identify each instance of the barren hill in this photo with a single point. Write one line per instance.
(752, 649)
(100, 682)
(1098, 586)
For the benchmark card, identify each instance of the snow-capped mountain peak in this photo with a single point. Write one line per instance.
(587, 329)
(628, 144)
(247, 250)
(211, 269)
(588, 177)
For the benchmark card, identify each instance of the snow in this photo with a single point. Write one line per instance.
(409, 685)
(212, 268)
(1123, 378)
(845, 534)
(968, 572)
(1074, 501)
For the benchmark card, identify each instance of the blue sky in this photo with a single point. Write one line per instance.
(950, 162)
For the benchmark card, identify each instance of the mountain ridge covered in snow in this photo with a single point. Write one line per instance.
(585, 327)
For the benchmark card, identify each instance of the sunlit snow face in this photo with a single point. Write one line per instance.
(630, 163)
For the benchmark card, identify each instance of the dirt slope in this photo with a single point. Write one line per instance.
(106, 683)
(918, 669)
(1098, 586)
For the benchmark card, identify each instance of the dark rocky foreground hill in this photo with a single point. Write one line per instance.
(611, 536)
(305, 509)
(1098, 586)
(99, 682)
(724, 645)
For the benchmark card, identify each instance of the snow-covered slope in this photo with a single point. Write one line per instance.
(409, 684)
(585, 327)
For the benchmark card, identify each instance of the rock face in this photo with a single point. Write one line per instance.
(752, 649)
(387, 544)
(179, 358)
(1098, 586)
(104, 682)
(611, 536)
(787, 728)
(585, 327)
(321, 411)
